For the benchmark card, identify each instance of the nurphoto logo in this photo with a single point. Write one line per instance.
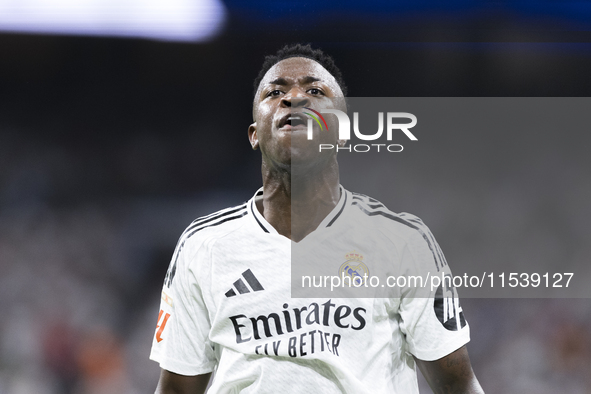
(345, 130)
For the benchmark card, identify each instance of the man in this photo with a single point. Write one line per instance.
(226, 302)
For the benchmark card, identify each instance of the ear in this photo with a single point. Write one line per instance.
(252, 136)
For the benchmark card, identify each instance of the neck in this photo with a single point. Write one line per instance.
(296, 204)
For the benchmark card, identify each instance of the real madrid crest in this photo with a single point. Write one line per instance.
(354, 267)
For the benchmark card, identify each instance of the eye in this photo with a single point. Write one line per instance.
(274, 93)
(315, 92)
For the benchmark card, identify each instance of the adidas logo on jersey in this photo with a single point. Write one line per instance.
(239, 285)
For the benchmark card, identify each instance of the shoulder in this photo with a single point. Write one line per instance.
(202, 231)
(215, 225)
(403, 226)
(403, 222)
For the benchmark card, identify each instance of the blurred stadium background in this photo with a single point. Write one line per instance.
(117, 131)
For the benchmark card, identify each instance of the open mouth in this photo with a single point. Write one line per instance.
(293, 120)
(296, 120)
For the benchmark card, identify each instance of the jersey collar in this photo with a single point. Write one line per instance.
(328, 221)
(261, 221)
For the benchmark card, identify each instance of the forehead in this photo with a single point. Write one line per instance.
(295, 68)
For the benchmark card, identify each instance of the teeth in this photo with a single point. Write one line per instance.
(298, 120)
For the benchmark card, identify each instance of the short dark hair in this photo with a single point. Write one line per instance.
(299, 50)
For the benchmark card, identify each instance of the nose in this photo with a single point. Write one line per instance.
(295, 98)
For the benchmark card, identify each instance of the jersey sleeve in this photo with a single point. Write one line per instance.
(431, 316)
(181, 341)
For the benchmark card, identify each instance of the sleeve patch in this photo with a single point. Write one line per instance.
(447, 307)
(166, 298)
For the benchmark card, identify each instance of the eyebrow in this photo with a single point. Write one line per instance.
(305, 80)
(278, 81)
(308, 79)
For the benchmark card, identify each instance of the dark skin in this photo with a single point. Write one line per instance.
(451, 374)
(172, 383)
(295, 204)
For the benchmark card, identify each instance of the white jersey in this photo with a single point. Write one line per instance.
(226, 306)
